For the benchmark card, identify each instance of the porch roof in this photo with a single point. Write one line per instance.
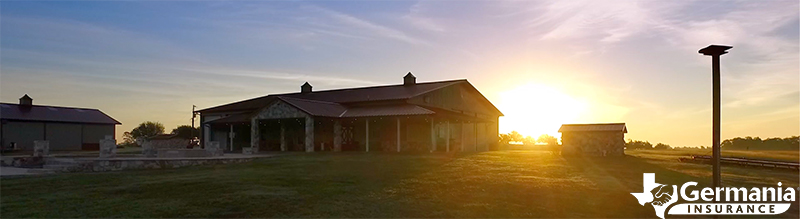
(335, 110)
(235, 118)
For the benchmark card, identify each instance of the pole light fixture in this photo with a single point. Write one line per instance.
(715, 51)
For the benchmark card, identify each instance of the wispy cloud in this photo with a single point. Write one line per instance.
(370, 27)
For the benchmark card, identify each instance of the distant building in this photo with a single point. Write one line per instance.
(66, 128)
(440, 116)
(593, 139)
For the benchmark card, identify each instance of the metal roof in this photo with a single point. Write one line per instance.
(389, 110)
(598, 127)
(316, 108)
(334, 110)
(39, 113)
(341, 96)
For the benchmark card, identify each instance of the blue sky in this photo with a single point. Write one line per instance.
(574, 61)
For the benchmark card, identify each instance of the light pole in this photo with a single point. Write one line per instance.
(715, 51)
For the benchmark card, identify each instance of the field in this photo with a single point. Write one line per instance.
(793, 156)
(490, 184)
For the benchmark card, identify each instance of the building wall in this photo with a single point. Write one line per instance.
(63, 137)
(93, 133)
(23, 134)
(205, 133)
(460, 98)
(219, 134)
(593, 143)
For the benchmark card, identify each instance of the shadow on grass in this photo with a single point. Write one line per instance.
(623, 175)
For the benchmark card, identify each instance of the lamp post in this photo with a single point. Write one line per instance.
(715, 51)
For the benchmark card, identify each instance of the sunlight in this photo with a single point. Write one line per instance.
(535, 109)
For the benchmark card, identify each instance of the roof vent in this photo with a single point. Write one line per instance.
(306, 88)
(409, 80)
(25, 100)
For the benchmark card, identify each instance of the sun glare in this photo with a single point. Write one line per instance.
(535, 109)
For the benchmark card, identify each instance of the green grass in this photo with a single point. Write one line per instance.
(491, 184)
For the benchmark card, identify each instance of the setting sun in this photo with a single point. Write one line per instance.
(535, 109)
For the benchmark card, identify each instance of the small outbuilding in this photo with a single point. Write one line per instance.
(66, 128)
(603, 139)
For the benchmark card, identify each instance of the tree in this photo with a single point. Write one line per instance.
(504, 138)
(147, 129)
(750, 143)
(528, 140)
(661, 146)
(547, 139)
(186, 131)
(515, 136)
(638, 145)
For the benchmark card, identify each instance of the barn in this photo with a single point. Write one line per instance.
(603, 139)
(66, 128)
(442, 116)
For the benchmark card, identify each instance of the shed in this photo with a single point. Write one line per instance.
(67, 128)
(601, 139)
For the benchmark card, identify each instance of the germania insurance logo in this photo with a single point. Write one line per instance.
(740, 201)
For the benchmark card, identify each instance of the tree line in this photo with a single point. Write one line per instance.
(515, 136)
(750, 143)
(150, 129)
(738, 143)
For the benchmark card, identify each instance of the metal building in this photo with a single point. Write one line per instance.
(67, 128)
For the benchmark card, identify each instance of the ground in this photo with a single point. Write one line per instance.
(490, 184)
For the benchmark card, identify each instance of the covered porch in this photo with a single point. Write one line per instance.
(302, 125)
(421, 133)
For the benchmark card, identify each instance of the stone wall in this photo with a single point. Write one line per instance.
(173, 143)
(108, 147)
(103, 165)
(213, 149)
(41, 148)
(593, 143)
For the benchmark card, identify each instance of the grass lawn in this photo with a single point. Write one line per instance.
(489, 184)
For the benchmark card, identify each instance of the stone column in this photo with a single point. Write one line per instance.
(214, 150)
(108, 147)
(398, 134)
(433, 136)
(148, 150)
(41, 148)
(255, 135)
(367, 129)
(283, 137)
(448, 136)
(309, 134)
(475, 135)
(463, 136)
(232, 135)
(337, 135)
(206, 133)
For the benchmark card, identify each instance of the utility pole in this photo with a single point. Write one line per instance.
(194, 114)
(715, 51)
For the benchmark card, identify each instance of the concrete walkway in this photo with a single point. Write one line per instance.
(14, 171)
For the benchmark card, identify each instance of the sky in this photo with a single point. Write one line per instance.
(542, 63)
